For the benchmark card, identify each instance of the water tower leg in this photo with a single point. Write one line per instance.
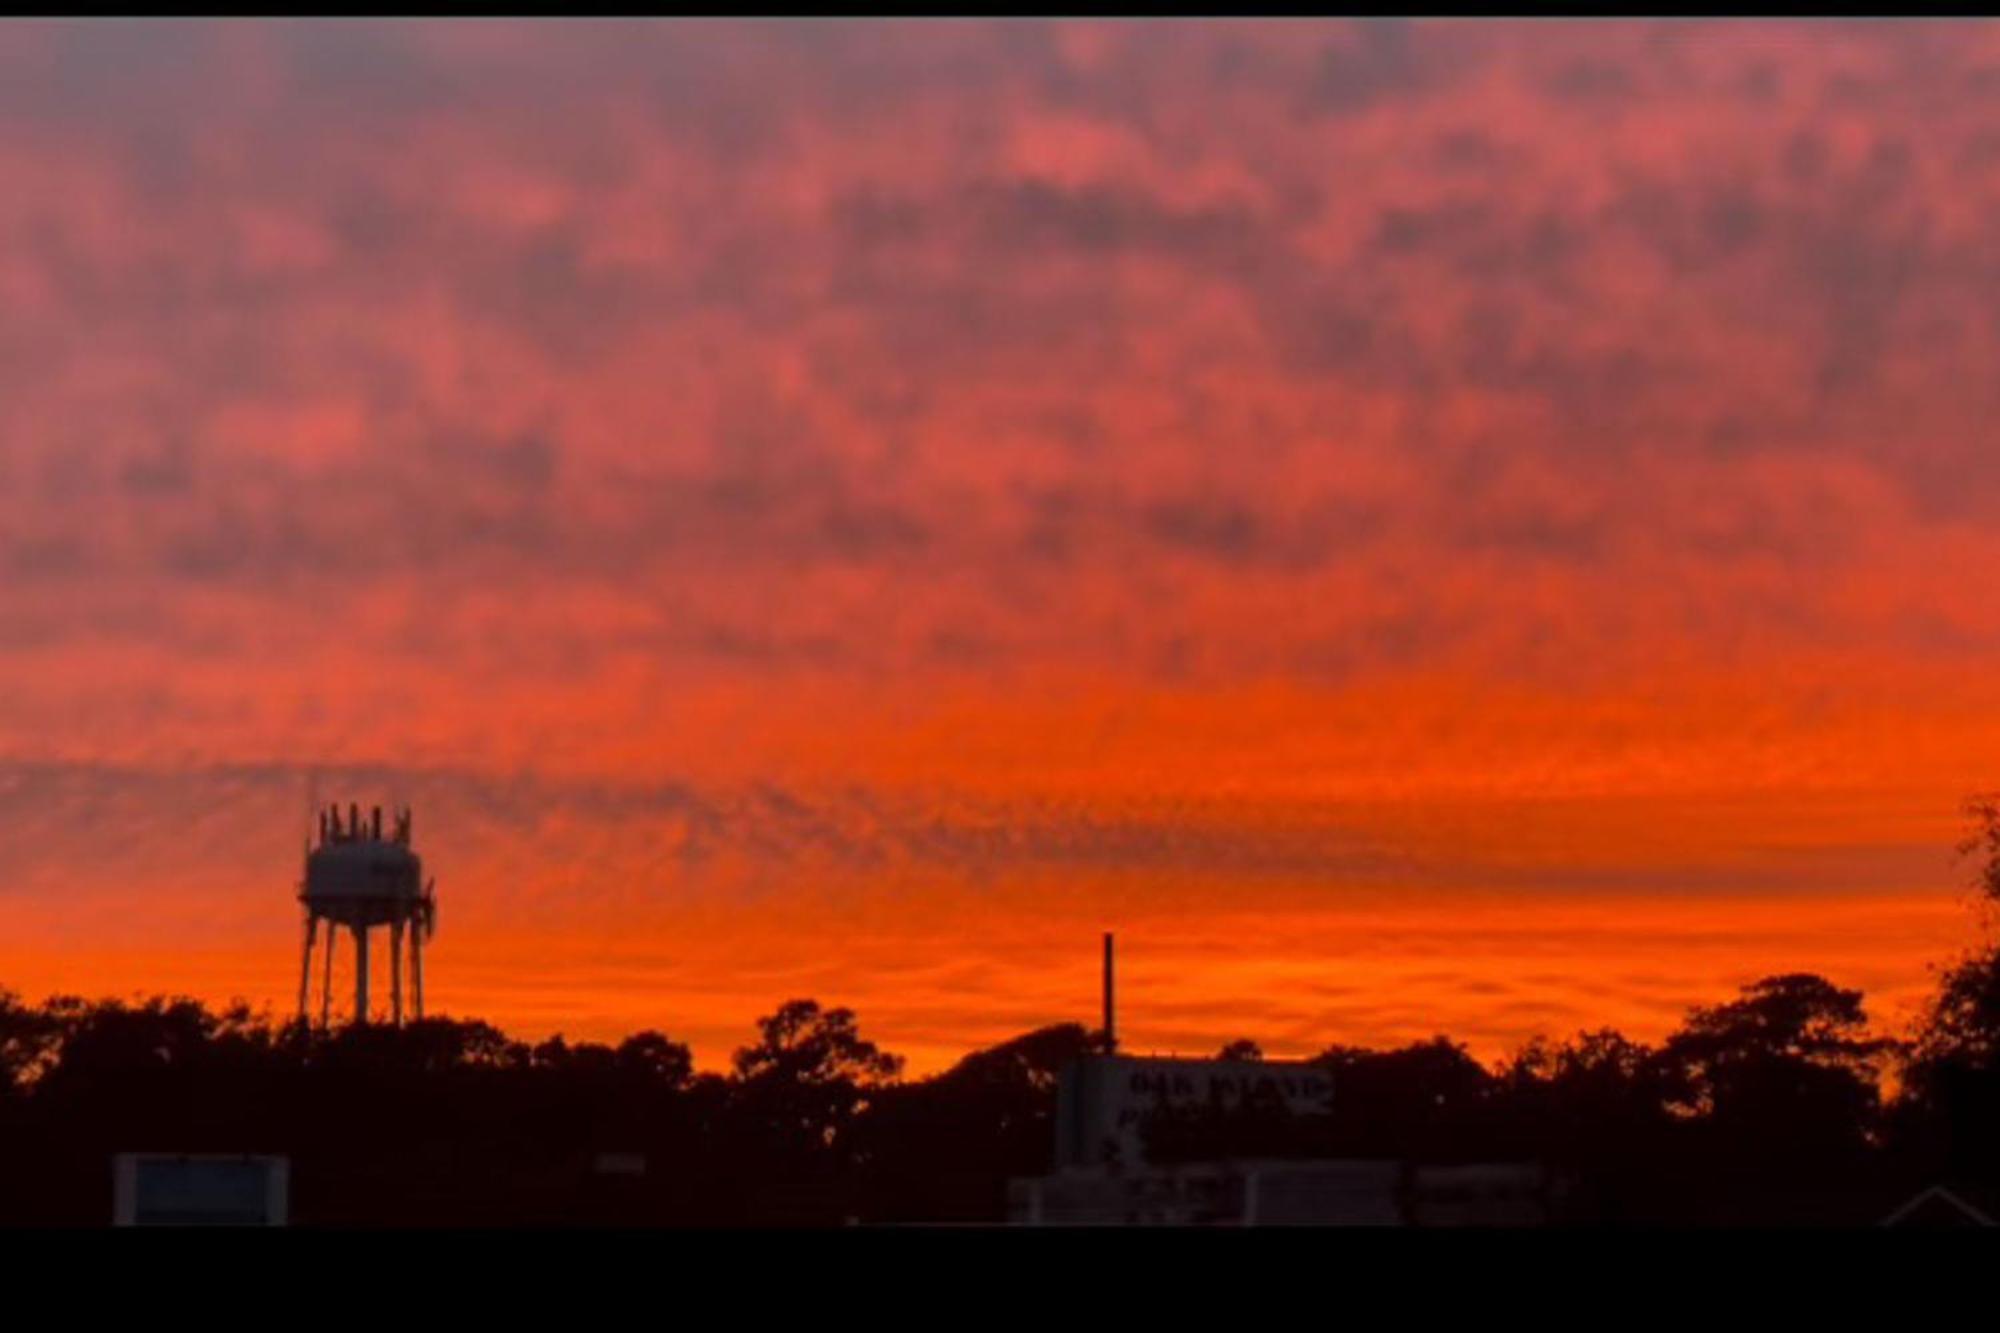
(396, 972)
(306, 966)
(417, 971)
(326, 981)
(361, 974)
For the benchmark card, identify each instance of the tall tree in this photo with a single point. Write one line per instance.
(945, 1147)
(1789, 1065)
(806, 1045)
(1951, 1081)
(798, 1092)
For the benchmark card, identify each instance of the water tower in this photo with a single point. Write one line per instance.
(358, 879)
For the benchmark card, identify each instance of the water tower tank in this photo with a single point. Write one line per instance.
(358, 877)
(363, 882)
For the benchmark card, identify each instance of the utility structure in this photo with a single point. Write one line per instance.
(358, 879)
(1110, 1009)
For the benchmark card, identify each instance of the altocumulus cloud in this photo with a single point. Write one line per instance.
(645, 400)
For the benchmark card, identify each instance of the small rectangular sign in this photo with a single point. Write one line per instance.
(167, 1189)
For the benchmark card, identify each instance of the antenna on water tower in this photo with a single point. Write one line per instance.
(312, 807)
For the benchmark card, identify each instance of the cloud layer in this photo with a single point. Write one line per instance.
(1084, 459)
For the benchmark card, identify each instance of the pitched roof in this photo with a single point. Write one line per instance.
(1938, 1206)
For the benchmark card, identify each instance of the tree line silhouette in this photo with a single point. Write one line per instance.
(1780, 1105)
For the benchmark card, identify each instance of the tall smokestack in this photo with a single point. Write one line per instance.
(1110, 1012)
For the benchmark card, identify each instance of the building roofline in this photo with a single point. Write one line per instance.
(1940, 1192)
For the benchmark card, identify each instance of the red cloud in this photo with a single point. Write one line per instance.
(1109, 415)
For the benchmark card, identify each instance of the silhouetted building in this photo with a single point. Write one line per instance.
(1214, 1194)
(1286, 1193)
(1102, 1175)
(1486, 1194)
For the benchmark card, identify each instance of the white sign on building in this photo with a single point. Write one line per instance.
(1103, 1101)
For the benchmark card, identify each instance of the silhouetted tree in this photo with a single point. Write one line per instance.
(652, 1058)
(1960, 1028)
(1943, 1122)
(1780, 1091)
(803, 1044)
(1594, 1082)
(1426, 1099)
(797, 1092)
(455, 1123)
(30, 1040)
(1241, 1049)
(1032, 1062)
(1595, 1109)
(945, 1147)
(1981, 843)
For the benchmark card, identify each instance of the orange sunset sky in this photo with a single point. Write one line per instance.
(1467, 527)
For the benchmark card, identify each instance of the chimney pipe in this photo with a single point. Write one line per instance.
(1110, 1014)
